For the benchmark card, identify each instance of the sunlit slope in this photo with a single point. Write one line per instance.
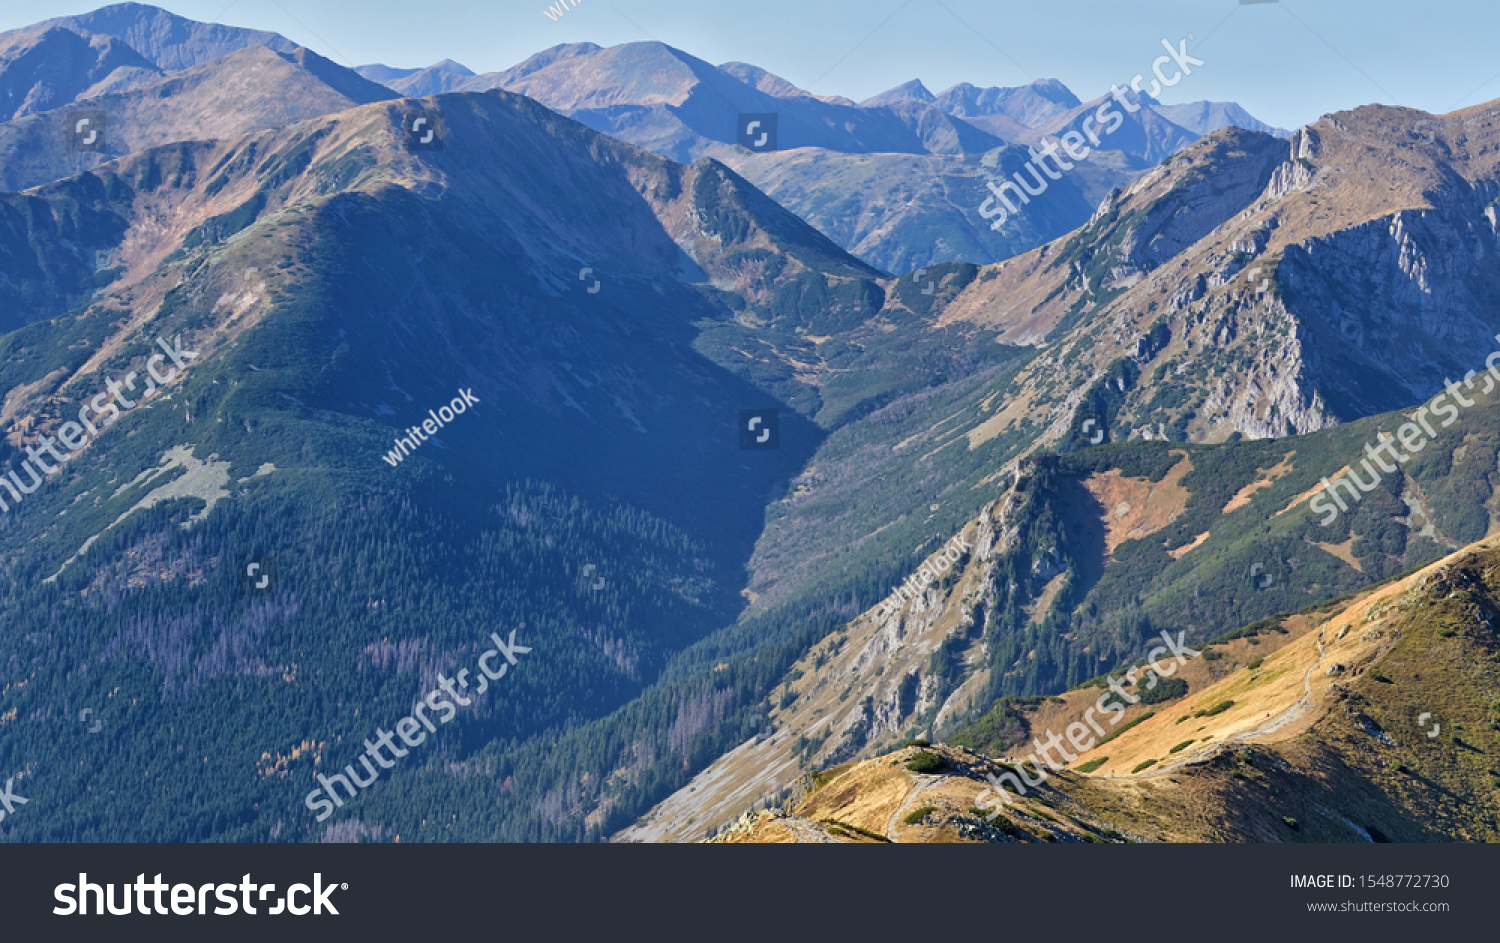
(1374, 719)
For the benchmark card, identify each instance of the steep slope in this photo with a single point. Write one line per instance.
(44, 68)
(761, 80)
(1103, 547)
(249, 90)
(332, 287)
(1077, 566)
(1370, 719)
(1263, 287)
(535, 63)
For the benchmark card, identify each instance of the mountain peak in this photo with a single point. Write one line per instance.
(907, 91)
(444, 76)
(455, 68)
(169, 41)
(1029, 105)
(639, 74)
(1054, 90)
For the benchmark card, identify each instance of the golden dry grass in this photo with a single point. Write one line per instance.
(1136, 507)
(1344, 551)
(1276, 701)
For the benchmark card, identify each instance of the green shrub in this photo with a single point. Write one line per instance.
(1218, 708)
(915, 816)
(919, 742)
(923, 762)
(1146, 765)
(1254, 665)
(1165, 690)
(845, 830)
(1092, 765)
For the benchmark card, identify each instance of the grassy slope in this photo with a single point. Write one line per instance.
(1357, 764)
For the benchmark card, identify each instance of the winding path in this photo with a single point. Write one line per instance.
(1288, 716)
(922, 784)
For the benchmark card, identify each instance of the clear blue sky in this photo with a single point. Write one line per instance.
(1287, 62)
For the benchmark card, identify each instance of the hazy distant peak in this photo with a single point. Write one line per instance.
(1054, 90)
(558, 53)
(1205, 117)
(170, 41)
(908, 91)
(1029, 105)
(532, 65)
(451, 67)
(637, 74)
(378, 72)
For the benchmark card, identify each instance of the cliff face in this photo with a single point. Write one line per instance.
(861, 689)
(1261, 286)
(1075, 565)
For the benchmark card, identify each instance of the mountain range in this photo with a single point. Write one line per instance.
(896, 179)
(1119, 421)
